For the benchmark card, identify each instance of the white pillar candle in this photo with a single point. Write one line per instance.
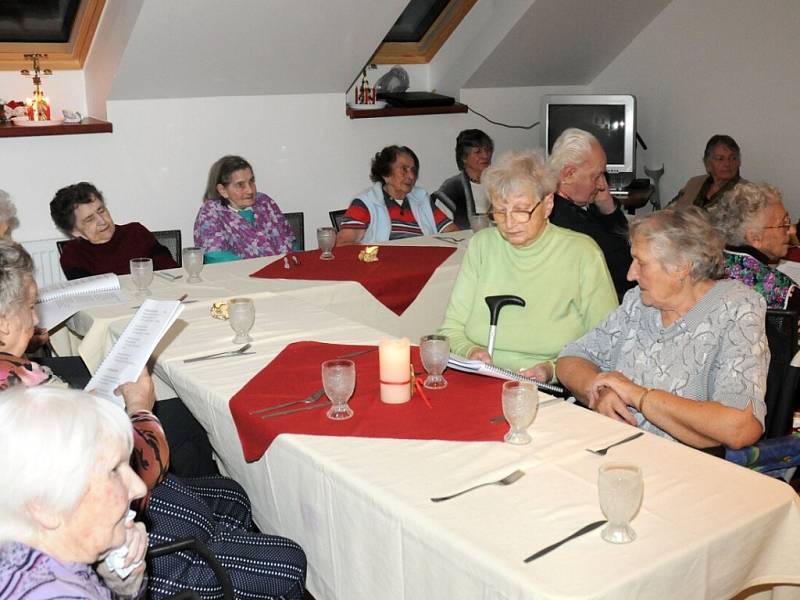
(395, 358)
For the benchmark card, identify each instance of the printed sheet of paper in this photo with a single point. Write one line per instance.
(133, 349)
(57, 302)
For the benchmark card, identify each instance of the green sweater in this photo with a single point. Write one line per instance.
(563, 279)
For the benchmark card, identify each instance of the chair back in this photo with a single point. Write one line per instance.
(297, 223)
(337, 217)
(201, 550)
(171, 240)
(782, 378)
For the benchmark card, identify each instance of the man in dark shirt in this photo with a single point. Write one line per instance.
(583, 203)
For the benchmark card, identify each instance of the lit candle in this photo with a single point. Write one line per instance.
(395, 357)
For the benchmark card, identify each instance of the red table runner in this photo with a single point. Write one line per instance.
(396, 279)
(460, 412)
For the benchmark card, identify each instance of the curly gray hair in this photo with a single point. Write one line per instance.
(677, 237)
(516, 173)
(16, 271)
(573, 147)
(743, 208)
(8, 212)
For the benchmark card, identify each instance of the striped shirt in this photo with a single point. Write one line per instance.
(404, 225)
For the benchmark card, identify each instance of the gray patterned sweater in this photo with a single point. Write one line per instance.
(717, 351)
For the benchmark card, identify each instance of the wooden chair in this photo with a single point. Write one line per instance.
(297, 223)
(337, 216)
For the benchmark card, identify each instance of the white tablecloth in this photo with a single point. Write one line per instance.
(360, 507)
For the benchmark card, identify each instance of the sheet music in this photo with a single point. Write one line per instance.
(59, 301)
(790, 268)
(133, 349)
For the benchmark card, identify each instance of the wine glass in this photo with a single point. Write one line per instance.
(193, 263)
(241, 315)
(339, 381)
(520, 405)
(434, 351)
(142, 275)
(620, 487)
(326, 238)
(478, 222)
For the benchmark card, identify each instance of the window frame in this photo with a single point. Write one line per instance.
(422, 52)
(68, 55)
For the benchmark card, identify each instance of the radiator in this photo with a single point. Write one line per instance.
(45, 259)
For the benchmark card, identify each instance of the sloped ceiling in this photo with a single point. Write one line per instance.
(564, 42)
(202, 48)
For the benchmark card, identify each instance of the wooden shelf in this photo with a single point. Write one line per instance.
(397, 111)
(87, 125)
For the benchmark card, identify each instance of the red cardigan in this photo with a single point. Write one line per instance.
(81, 258)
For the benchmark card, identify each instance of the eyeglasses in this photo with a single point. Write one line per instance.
(517, 216)
(785, 225)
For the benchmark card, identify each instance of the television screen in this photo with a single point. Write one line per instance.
(605, 121)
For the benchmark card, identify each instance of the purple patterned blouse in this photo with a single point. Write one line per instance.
(33, 575)
(219, 228)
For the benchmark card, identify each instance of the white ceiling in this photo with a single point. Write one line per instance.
(564, 42)
(203, 48)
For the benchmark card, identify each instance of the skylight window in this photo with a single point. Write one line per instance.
(421, 30)
(40, 21)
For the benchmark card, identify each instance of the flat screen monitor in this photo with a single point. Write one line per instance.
(610, 118)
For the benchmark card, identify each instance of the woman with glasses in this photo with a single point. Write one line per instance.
(757, 229)
(560, 274)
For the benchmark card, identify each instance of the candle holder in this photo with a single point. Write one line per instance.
(38, 107)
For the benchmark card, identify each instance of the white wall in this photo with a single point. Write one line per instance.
(717, 66)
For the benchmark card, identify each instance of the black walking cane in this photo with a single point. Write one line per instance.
(496, 303)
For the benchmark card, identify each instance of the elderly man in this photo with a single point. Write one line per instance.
(583, 203)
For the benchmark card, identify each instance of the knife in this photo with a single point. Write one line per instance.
(295, 410)
(579, 533)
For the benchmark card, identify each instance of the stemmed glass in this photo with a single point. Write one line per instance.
(193, 263)
(620, 487)
(241, 315)
(142, 275)
(326, 238)
(520, 405)
(434, 351)
(339, 381)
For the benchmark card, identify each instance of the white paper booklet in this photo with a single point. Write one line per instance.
(459, 363)
(133, 348)
(59, 301)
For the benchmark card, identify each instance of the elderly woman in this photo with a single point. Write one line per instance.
(560, 274)
(757, 229)
(394, 207)
(99, 245)
(8, 215)
(215, 510)
(66, 458)
(722, 159)
(463, 193)
(685, 356)
(235, 220)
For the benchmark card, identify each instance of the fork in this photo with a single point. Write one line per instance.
(604, 451)
(507, 480)
(313, 397)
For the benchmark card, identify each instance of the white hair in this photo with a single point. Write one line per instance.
(8, 212)
(573, 147)
(50, 441)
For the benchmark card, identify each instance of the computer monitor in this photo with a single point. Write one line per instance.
(610, 118)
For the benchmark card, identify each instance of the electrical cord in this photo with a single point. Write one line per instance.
(469, 108)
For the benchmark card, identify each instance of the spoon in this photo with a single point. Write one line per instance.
(240, 351)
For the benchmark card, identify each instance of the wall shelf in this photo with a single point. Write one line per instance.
(87, 125)
(397, 111)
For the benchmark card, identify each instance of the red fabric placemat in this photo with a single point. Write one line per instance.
(793, 254)
(396, 279)
(460, 412)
